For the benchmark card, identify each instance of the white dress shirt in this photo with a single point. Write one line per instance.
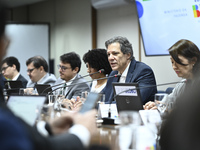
(97, 90)
(15, 78)
(124, 74)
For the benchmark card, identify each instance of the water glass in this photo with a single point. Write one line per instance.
(21, 91)
(161, 102)
(171, 103)
(60, 94)
(102, 98)
(130, 120)
(84, 95)
(52, 98)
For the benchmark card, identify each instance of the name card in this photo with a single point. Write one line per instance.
(104, 109)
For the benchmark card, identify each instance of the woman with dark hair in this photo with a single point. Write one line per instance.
(96, 60)
(185, 58)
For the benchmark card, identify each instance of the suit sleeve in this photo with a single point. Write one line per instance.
(78, 89)
(146, 78)
(13, 135)
(65, 141)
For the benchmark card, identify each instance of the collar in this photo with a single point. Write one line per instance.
(70, 81)
(15, 78)
(124, 74)
(40, 81)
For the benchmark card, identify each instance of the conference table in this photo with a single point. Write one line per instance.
(107, 136)
(111, 137)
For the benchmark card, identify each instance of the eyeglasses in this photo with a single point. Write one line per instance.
(4, 68)
(63, 68)
(30, 70)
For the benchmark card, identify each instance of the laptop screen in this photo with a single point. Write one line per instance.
(43, 89)
(127, 96)
(13, 87)
(26, 107)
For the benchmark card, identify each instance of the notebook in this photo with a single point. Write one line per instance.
(43, 89)
(27, 107)
(13, 87)
(127, 96)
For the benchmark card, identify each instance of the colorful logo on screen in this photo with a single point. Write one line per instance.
(196, 11)
(140, 9)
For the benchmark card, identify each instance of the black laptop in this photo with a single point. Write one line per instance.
(13, 87)
(43, 89)
(127, 96)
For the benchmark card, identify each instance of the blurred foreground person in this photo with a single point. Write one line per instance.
(181, 129)
(16, 134)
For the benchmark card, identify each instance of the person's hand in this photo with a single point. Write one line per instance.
(62, 124)
(88, 120)
(76, 103)
(28, 91)
(150, 106)
(66, 103)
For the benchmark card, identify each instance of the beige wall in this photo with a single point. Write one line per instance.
(70, 25)
(70, 22)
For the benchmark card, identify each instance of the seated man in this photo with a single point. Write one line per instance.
(122, 61)
(10, 69)
(37, 69)
(69, 67)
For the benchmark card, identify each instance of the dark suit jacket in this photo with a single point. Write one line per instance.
(16, 134)
(140, 73)
(24, 81)
(2, 79)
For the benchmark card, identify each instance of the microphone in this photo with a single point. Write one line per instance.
(116, 75)
(100, 71)
(7, 84)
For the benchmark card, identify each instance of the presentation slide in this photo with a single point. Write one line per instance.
(164, 22)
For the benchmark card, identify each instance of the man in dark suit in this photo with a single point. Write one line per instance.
(10, 69)
(122, 61)
(16, 134)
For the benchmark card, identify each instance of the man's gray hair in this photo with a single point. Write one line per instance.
(125, 45)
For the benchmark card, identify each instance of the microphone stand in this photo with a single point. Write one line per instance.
(117, 75)
(100, 71)
(143, 87)
(108, 120)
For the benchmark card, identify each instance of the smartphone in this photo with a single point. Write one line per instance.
(90, 102)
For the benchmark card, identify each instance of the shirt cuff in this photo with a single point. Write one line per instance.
(84, 135)
(41, 128)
